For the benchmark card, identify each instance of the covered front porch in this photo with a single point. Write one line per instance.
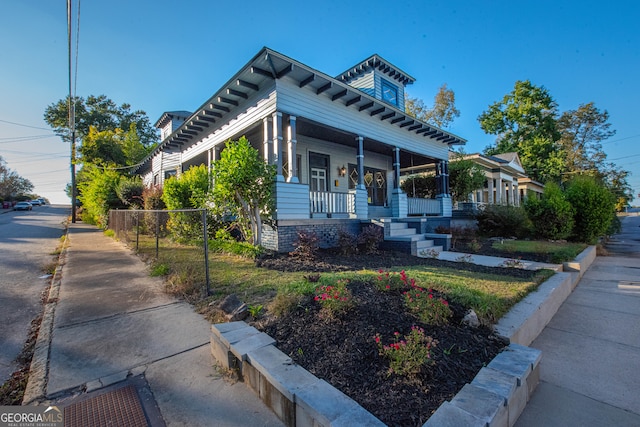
(330, 173)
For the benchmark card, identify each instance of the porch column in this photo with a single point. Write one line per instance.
(277, 145)
(442, 178)
(267, 141)
(292, 155)
(396, 168)
(512, 193)
(490, 192)
(516, 193)
(360, 158)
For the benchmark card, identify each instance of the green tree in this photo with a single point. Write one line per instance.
(524, 122)
(101, 113)
(421, 186)
(582, 133)
(443, 112)
(465, 176)
(112, 146)
(12, 185)
(243, 187)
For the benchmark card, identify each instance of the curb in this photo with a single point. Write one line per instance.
(35, 391)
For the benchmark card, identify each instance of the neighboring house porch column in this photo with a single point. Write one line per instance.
(267, 141)
(490, 192)
(512, 193)
(292, 168)
(277, 144)
(499, 189)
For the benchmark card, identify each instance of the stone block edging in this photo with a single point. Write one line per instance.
(526, 320)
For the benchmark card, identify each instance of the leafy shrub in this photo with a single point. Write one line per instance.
(369, 239)
(334, 296)
(430, 309)
(407, 356)
(187, 191)
(552, 215)
(391, 281)
(129, 191)
(242, 249)
(500, 220)
(306, 246)
(593, 206)
(347, 242)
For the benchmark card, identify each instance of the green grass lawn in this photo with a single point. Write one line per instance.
(559, 251)
(490, 295)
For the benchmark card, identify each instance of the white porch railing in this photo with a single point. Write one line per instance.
(322, 202)
(420, 206)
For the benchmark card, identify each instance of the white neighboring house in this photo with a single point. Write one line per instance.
(507, 182)
(338, 143)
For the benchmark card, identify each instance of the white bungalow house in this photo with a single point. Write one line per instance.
(339, 144)
(507, 182)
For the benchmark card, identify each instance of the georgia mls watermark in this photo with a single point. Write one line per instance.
(31, 416)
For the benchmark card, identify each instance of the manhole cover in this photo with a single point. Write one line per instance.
(120, 407)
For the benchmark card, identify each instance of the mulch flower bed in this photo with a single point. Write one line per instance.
(342, 350)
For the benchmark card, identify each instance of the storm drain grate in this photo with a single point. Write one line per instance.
(119, 407)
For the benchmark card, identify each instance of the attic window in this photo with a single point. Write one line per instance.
(389, 93)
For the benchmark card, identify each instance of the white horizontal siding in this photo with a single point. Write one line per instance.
(292, 201)
(259, 106)
(365, 83)
(305, 103)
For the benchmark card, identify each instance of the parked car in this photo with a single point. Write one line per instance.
(42, 201)
(23, 206)
(35, 202)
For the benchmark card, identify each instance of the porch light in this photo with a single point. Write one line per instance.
(342, 171)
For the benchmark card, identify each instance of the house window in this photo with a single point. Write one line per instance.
(318, 171)
(389, 93)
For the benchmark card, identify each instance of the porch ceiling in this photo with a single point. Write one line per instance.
(316, 130)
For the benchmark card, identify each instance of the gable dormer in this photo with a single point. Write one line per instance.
(378, 78)
(170, 121)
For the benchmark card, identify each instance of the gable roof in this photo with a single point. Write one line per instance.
(509, 161)
(268, 65)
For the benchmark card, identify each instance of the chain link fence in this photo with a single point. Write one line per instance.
(176, 241)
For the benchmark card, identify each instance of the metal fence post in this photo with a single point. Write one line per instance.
(206, 250)
(137, 230)
(157, 233)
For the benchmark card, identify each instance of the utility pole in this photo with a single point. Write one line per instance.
(72, 120)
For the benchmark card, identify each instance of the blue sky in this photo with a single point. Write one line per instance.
(166, 55)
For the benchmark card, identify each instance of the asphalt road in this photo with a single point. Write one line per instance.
(27, 242)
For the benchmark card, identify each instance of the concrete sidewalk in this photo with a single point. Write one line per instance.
(114, 324)
(590, 367)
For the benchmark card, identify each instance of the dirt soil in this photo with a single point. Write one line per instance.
(342, 350)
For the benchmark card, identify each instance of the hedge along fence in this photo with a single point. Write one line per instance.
(160, 234)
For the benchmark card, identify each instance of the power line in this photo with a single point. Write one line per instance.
(620, 139)
(23, 125)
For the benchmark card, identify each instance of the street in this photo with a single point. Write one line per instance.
(27, 242)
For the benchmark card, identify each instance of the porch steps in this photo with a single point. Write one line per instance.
(401, 232)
